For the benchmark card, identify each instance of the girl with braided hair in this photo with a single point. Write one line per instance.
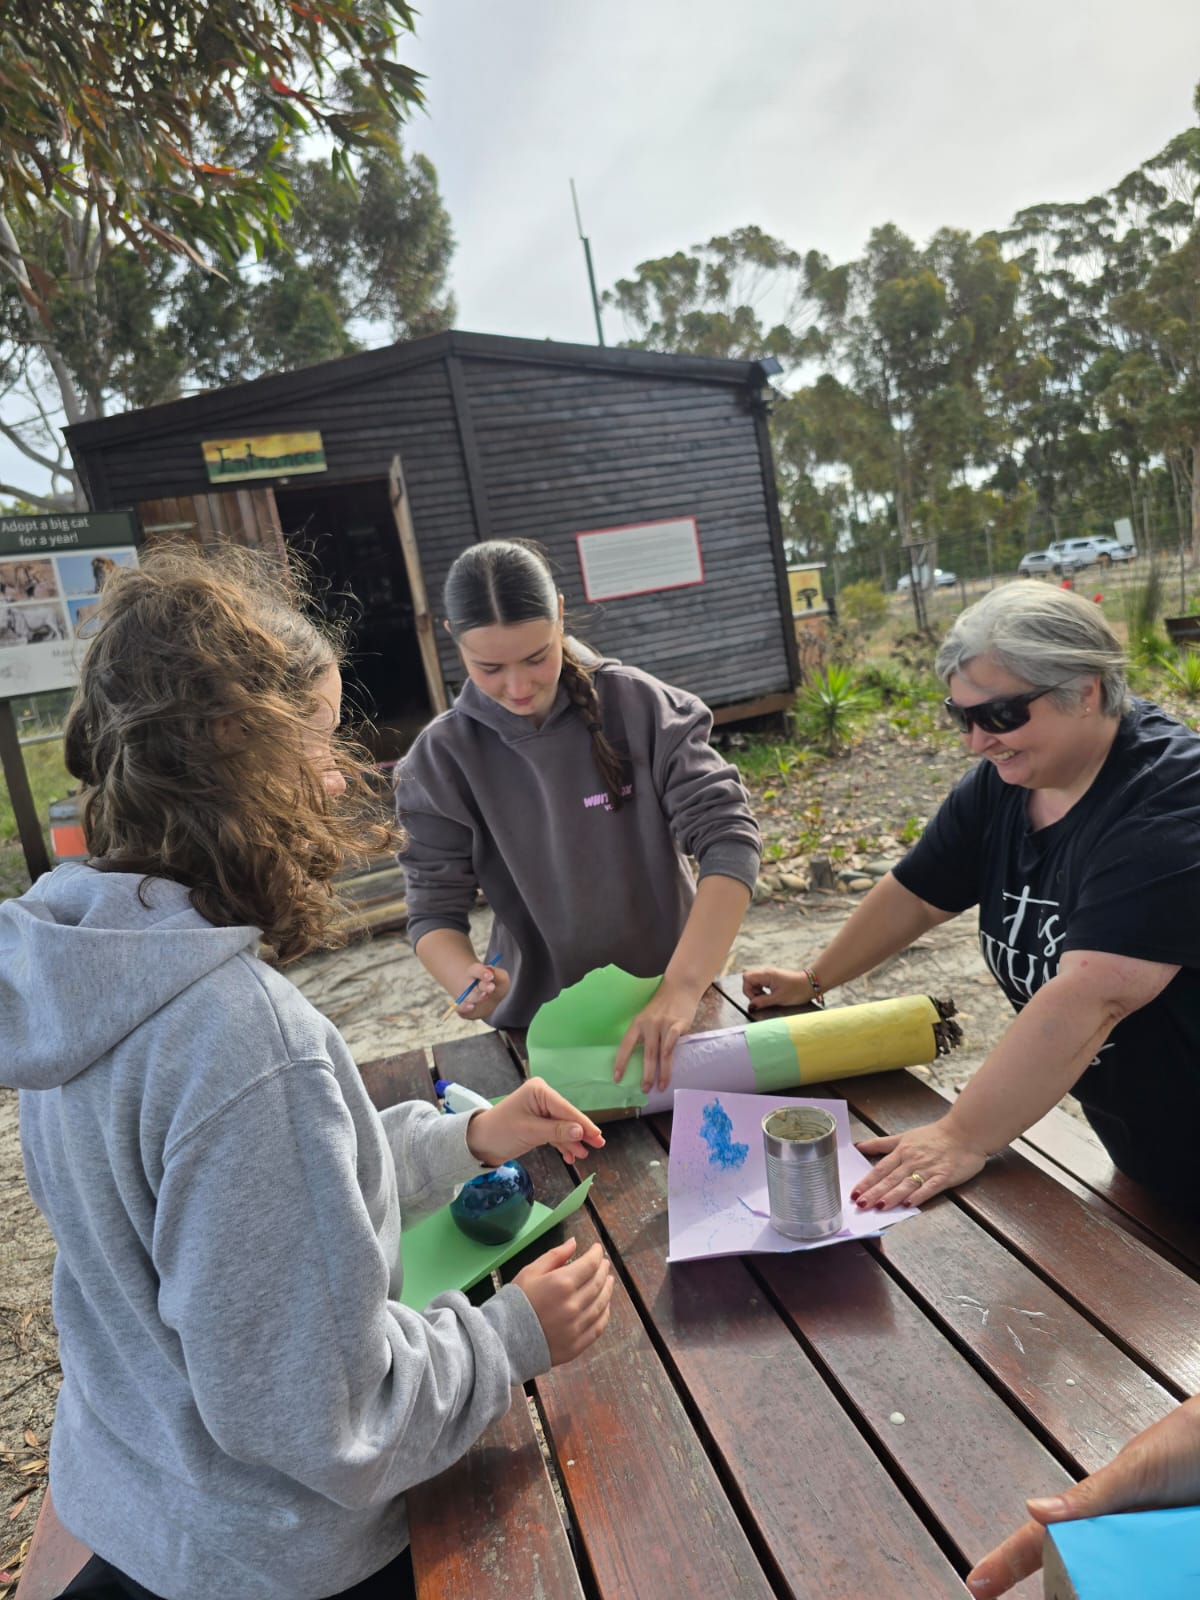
(568, 787)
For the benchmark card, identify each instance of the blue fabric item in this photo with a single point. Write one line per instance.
(1154, 1555)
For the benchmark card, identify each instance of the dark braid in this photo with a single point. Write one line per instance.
(509, 581)
(577, 681)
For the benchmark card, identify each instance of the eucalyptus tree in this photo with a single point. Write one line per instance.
(122, 150)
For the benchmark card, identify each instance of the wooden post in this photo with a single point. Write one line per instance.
(29, 828)
(422, 615)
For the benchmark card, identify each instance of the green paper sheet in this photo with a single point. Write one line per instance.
(436, 1256)
(573, 1039)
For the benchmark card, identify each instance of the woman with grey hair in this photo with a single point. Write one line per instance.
(1077, 834)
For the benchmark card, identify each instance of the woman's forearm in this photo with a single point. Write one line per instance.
(1040, 1057)
(708, 934)
(446, 954)
(889, 919)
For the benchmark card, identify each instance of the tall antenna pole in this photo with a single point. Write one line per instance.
(587, 256)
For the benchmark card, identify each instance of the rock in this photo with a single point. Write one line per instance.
(791, 880)
(878, 869)
(860, 885)
(761, 891)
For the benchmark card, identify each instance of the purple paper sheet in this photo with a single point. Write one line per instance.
(717, 1177)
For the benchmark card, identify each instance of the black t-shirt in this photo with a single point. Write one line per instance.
(1120, 873)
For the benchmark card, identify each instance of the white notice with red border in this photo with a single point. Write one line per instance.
(640, 558)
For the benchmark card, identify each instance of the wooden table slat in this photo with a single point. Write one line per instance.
(393, 1079)
(490, 1525)
(1065, 1147)
(648, 1508)
(1076, 1150)
(821, 1501)
(1142, 1301)
(961, 1450)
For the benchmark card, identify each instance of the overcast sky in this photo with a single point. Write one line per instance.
(680, 119)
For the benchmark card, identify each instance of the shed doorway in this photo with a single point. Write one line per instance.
(347, 536)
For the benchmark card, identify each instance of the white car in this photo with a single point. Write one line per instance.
(941, 580)
(1116, 551)
(1092, 550)
(1036, 562)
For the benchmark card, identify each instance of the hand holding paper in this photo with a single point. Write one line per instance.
(658, 1028)
(574, 1040)
(532, 1115)
(437, 1257)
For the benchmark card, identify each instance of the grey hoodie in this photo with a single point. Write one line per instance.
(488, 799)
(243, 1400)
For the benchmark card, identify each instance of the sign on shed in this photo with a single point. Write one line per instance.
(640, 558)
(266, 455)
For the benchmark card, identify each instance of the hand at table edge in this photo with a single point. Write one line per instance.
(767, 987)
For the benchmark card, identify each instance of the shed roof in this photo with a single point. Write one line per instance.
(324, 377)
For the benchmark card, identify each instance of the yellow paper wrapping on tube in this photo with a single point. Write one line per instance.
(844, 1042)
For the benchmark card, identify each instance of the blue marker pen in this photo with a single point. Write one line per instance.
(491, 961)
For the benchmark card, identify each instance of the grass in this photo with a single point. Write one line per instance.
(48, 780)
(769, 760)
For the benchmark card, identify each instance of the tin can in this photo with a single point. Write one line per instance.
(803, 1189)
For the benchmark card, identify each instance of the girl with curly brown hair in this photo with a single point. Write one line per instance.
(244, 1400)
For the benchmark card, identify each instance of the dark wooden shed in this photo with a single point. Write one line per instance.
(428, 446)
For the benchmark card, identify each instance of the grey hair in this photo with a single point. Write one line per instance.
(1049, 638)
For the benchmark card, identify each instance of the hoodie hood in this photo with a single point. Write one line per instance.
(84, 961)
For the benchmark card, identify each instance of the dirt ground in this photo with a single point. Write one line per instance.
(854, 811)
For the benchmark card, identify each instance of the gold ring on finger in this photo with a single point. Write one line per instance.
(915, 1177)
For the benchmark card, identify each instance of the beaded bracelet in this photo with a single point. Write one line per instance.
(815, 983)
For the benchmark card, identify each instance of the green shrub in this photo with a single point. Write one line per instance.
(863, 602)
(832, 707)
(1183, 671)
(893, 685)
(1147, 643)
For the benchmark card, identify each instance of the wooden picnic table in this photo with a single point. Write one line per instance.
(859, 1421)
(855, 1423)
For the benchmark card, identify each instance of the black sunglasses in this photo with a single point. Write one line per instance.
(1004, 714)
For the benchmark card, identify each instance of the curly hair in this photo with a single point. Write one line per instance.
(187, 648)
(509, 581)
